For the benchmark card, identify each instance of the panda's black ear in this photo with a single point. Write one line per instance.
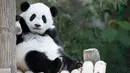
(54, 11)
(24, 6)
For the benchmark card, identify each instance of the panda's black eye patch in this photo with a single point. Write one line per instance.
(44, 19)
(32, 17)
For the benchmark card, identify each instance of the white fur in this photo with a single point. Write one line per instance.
(36, 42)
(87, 67)
(100, 67)
(18, 28)
(39, 9)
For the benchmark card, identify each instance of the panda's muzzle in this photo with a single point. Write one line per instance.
(37, 25)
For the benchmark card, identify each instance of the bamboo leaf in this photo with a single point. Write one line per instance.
(124, 24)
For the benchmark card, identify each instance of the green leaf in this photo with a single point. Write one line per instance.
(123, 37)
(125, 40)
(124, 24)
(108, 34)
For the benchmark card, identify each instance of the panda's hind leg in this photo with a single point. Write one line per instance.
(37, 62)
(56, 65)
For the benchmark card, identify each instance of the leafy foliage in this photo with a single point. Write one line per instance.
(124, 24)
(109, 34)
(107, 4)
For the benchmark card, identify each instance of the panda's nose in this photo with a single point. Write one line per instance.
(37, 25)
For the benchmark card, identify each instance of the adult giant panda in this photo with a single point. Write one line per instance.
(37, 47)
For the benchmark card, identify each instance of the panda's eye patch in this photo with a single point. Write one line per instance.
(32, 17)
(44, 18)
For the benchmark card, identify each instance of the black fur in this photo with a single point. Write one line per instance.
(24, 26)
(19, 39)
(18, 17)
(44, 18)
(32, 17)
(38, 62)
(54, 11)
(24, 6)
(69, 63)
(53, 33)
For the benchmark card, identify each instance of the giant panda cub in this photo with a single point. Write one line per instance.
(38, 47)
